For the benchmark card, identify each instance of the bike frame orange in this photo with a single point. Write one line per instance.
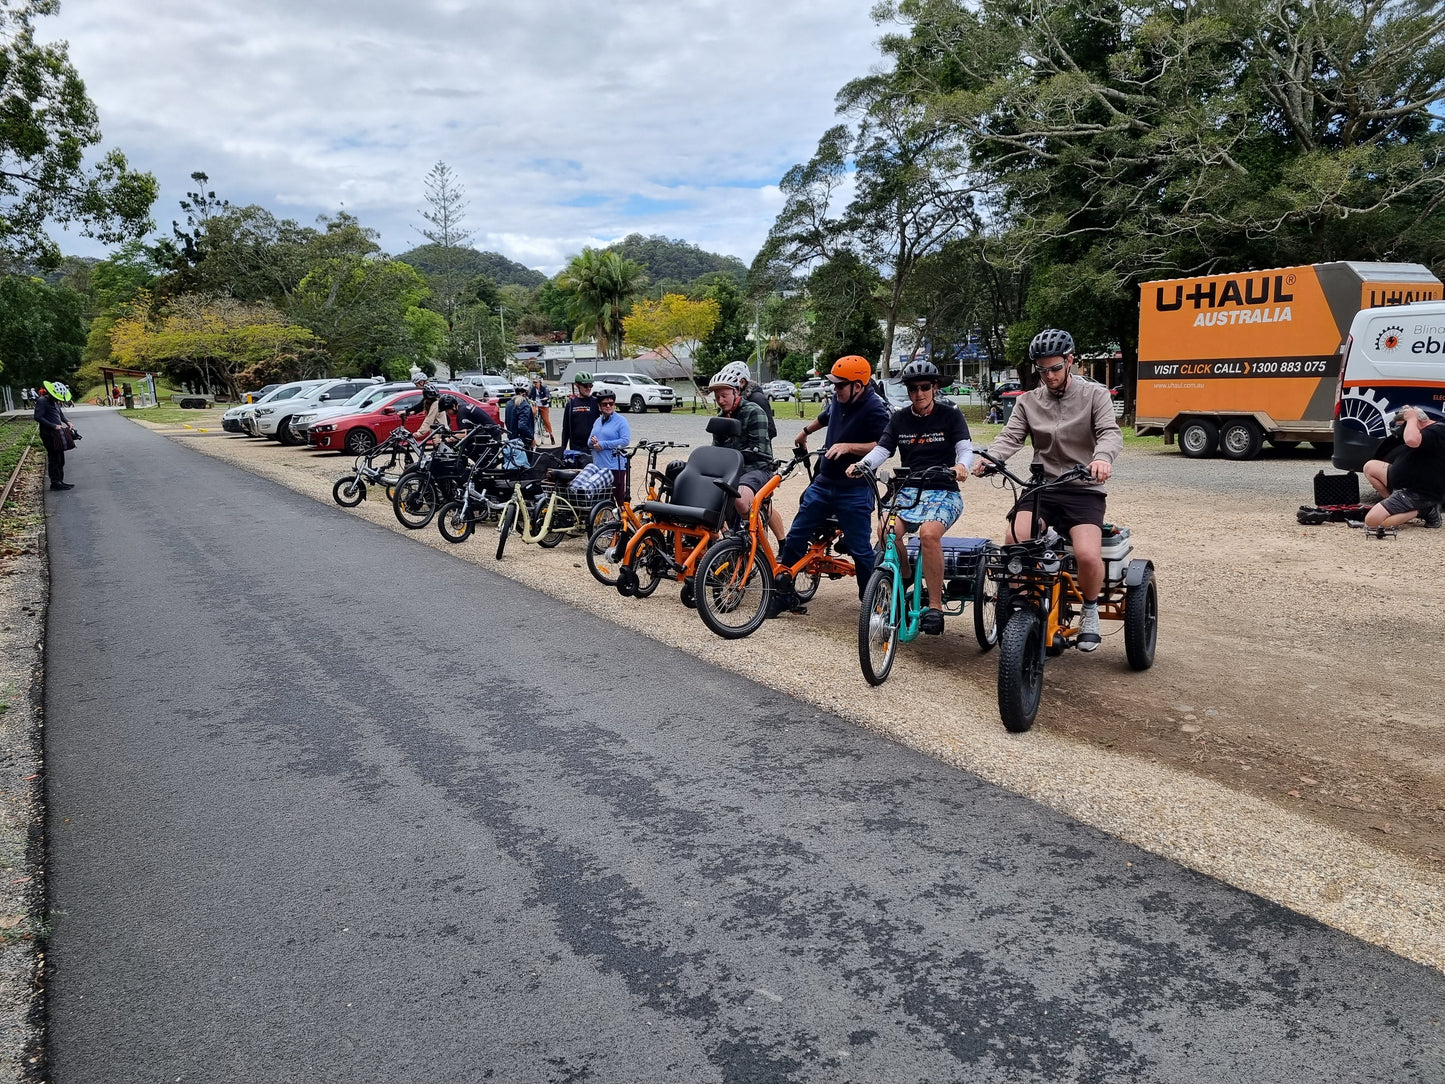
(816, 559)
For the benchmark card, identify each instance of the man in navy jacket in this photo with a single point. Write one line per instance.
(855, 419)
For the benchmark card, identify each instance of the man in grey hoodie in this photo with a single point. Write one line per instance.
(1069, 420)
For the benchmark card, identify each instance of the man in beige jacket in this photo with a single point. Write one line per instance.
(1069, 421)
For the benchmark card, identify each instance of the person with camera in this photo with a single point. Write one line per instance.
(1069, 420)
(56, 432)
(1412, 480)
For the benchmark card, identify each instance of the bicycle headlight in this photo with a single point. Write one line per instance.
(1015, 565)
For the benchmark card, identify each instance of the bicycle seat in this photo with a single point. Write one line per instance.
(696, 497)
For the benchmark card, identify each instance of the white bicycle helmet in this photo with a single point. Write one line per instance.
(730, 377)
(735, 369)
(521, 383)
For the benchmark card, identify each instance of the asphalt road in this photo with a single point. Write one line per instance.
(325, 804)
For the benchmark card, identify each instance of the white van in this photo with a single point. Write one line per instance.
(1394, 357)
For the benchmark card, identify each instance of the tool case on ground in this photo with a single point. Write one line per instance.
(1337, 499)
(960, 556)
(1332, 489)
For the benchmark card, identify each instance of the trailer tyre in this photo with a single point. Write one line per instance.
(1241, 439)
(1199, 438)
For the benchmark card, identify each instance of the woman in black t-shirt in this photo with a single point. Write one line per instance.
(931, 432)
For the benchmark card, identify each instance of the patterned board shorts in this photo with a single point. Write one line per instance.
(934, 505)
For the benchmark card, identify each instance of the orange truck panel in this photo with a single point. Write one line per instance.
(1259, 342)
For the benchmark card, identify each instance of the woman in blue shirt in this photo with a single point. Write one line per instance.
(610, 436)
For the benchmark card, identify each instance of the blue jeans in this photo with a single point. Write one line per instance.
(852, 506)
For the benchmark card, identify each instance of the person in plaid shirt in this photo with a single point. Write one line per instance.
(753, 442)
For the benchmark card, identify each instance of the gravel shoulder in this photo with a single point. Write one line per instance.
(24, 591)
(1286, 740)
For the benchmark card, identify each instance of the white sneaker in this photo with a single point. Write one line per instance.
(1089, 638)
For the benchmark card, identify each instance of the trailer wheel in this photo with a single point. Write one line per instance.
(1241, 439)
(1199, 438)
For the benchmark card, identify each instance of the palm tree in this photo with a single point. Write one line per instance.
(603, 286)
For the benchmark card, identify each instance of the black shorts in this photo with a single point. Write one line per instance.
(1067, 507)
(755, 479)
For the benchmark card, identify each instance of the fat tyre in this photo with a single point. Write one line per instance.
(348, 492)
(1141, 622)
(504, 528)
(877, 636)
(1020, 671)
(730, 608)
(454, 527)
(360, 441)
(1199, 438)
(1240, 440)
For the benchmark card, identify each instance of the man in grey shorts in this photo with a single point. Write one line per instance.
(1412, 483)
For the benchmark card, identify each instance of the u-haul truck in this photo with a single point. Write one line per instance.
(1227, 362)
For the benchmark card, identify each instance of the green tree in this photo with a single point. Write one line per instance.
(601, 286)
(730, 338)
(362, 309)
(446, 216)
(208, 341)
(843, 309)
(42, 330)
(47, 122)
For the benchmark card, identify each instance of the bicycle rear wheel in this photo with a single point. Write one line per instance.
(732, 599)
(805, 585)
(985, 608)
(877, 628)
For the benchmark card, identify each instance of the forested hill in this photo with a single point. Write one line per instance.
(669, 260)
(427, 259)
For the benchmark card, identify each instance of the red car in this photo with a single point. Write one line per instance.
(359, 433)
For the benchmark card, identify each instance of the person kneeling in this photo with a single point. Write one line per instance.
(1412, 482)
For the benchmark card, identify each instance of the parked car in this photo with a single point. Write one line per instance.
(475, 384)
(781, 389)
(815, 390)
(245, 414)
(362, 401)
(258, 395)
(895, 395)
(359, 433)
(636, 392)
(273, 420)
(1000, 390)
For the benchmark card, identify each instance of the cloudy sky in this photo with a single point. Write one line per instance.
(570, 122)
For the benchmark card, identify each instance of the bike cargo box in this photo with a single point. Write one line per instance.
(1337, 489)
(960, 556)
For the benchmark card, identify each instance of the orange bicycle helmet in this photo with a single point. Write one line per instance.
(851, 369)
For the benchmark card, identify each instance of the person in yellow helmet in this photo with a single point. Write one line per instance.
(54, 427)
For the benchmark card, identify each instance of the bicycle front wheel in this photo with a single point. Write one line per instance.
(605, 547)
(732, 598)
(414, 501)
(504, 527)
(877, 628)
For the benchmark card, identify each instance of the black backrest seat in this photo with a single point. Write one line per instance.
(696, 490)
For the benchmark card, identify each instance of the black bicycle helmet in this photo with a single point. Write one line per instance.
(448, 402)
(606, 393)
(920, 369)
(1051, 343)
(429, 391)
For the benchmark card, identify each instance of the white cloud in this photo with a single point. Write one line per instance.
(568, 121)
